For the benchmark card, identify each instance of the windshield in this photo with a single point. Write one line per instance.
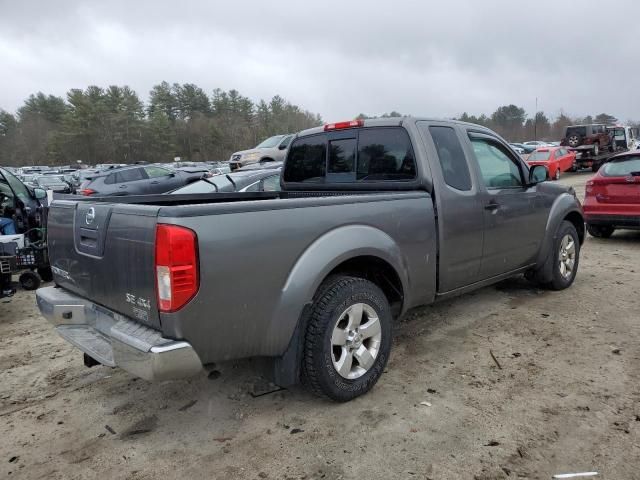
(271, 142)
(219, 183)
(576, 131)
(539, 156)
(621, 167)
(201, 186)
(51, 179)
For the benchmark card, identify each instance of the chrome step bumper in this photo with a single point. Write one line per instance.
(115, 340)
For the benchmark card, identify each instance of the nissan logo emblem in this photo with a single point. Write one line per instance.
(91, 216)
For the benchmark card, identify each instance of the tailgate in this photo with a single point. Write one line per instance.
(105, 253)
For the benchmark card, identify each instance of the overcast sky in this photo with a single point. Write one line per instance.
(336, 58)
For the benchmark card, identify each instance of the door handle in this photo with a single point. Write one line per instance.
(155, 183)
(492, 206)
(123, 186)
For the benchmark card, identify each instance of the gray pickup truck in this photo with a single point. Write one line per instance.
(375, 217)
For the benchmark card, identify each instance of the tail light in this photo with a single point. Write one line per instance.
(343, 125)
(86, 192)
(176, 266)
(589, 186)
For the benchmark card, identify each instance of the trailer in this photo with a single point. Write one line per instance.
(587, 158)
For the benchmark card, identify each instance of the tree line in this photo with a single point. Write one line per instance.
(512, 123)
(113, 125)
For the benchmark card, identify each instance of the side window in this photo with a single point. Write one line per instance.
(307, 159)
(155, 172)
(285, 143)
(496, 166)
(452, 159)
(17, 186)
(254, 187)
(110, 179)
(342, 160)
(385, 154)
(271, 184)
(130, 175)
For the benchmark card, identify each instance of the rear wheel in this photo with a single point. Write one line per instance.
(348, 338)
(29, 281)
(600, 231)
(566, 256)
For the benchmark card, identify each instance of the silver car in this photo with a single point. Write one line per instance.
(273, 149)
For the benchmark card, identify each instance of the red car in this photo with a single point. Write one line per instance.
(612, 198)
(556, 159)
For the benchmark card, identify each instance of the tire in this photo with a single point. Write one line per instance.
(596, 149)
(45, 274)
(574, 140)
(595, 167)
(557, 174)
(334, 339)
(566, 251)
(29, 281)
(600, 231)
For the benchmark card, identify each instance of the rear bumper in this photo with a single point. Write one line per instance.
(621, 221)
(115, 340)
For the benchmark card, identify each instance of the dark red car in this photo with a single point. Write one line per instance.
(612, 198)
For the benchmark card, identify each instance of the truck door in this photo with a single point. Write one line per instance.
(460, 214)
(514, 213)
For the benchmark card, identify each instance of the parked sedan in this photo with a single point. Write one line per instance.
(556, 159)
(239, 181)
(137, 180)
(612, 196)
(55, 183)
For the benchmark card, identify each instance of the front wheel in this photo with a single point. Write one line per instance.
(557, 175)
(348, 338)
(596, 149)
(566, 256)
(600, 231)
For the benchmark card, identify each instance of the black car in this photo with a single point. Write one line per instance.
(137, 180)
(238, 181)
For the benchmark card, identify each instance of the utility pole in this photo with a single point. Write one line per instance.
(535, 122)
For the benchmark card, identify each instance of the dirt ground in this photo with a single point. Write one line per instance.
(566, 398)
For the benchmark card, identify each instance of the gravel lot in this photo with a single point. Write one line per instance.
(566, 398)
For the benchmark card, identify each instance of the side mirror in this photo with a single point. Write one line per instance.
(283, 146)
(537, 174)
(39, 193)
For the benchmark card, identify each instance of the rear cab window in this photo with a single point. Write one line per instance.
(352, 156)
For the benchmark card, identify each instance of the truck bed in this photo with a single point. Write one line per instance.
(251, 247)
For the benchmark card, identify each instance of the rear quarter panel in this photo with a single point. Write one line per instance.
(261, 262)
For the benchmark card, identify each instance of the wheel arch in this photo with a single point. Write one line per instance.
(355, 250)
(566, 207)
